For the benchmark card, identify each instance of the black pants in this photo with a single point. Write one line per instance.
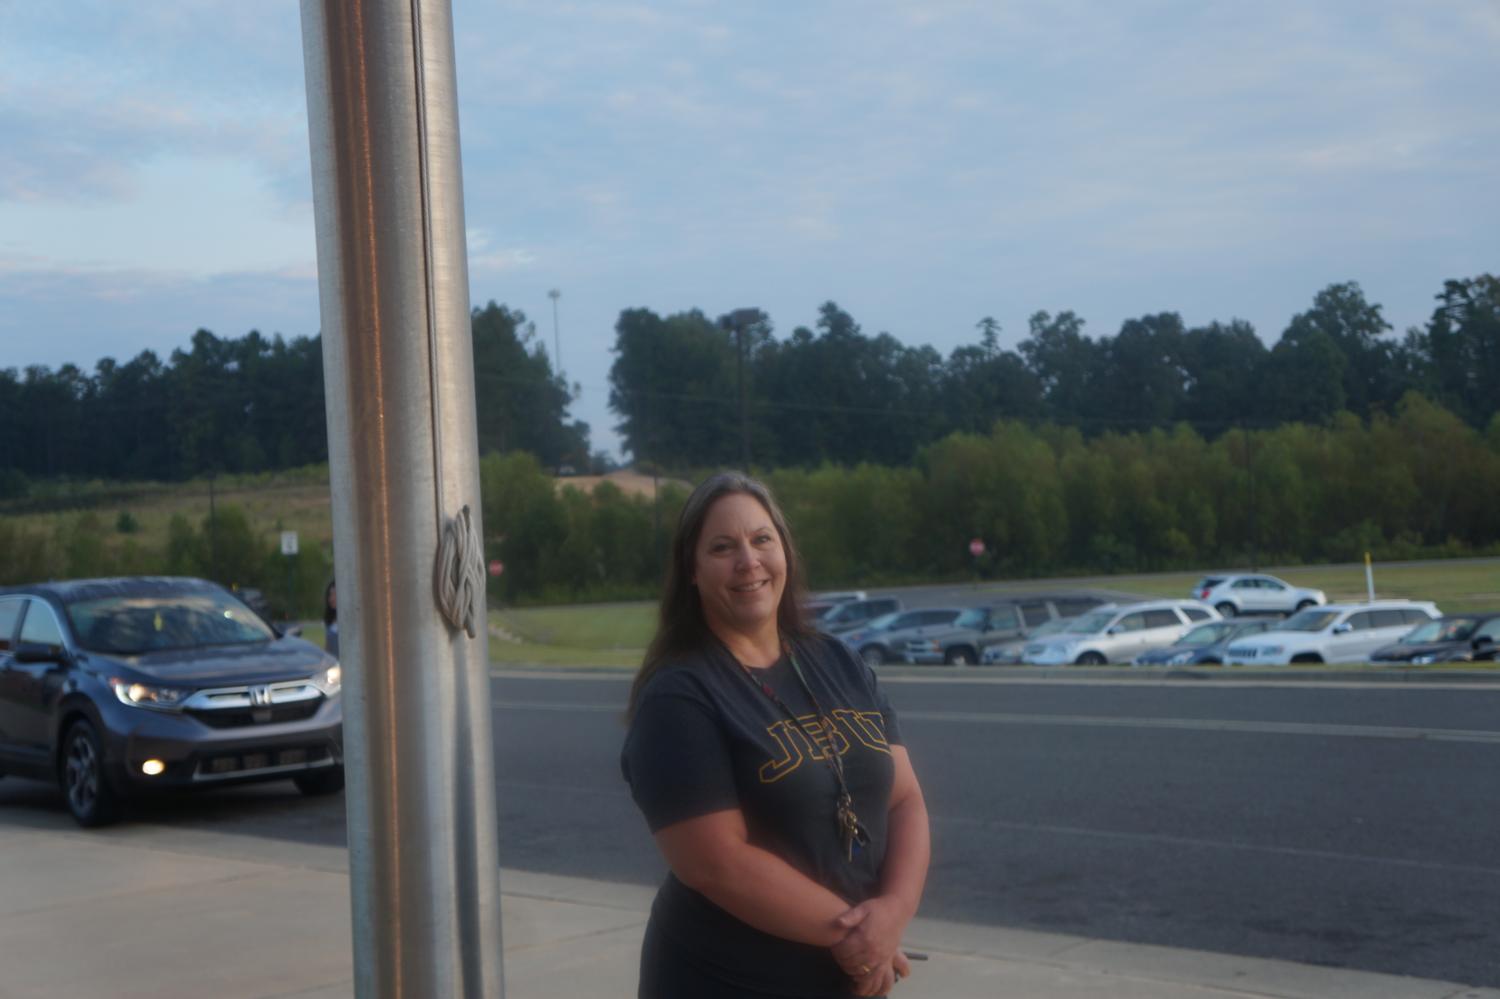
(666, 973)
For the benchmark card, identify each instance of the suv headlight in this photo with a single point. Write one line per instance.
(330, 680)
(145, 695)
(1180, 659)
(1424, 660)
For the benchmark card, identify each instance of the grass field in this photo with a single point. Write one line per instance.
(616, 634)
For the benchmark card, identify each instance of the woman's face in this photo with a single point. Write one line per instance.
(739, 565)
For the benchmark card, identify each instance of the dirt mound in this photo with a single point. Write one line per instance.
(629, 483)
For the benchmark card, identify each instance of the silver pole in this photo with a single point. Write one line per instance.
(403, 460)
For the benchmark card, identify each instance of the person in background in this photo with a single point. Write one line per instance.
(331, 619)
(769, 767)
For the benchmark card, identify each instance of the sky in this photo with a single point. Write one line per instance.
(923, 164)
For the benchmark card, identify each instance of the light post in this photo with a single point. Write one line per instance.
(554, 294)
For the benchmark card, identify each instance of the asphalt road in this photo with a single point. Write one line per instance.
(1342, 825)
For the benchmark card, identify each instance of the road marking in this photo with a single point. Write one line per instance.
(1319, 729)
(1212, 725)
(1165, 839)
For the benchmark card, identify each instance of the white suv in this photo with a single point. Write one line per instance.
(1118, 634)
(1335, 633)
(1254, 594)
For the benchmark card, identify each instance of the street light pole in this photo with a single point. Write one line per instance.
(554, 294)
(403, 463)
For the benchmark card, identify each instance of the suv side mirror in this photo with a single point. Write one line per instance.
(1343, 629)
(1483, 641)
(1115, 629)
(37, 652)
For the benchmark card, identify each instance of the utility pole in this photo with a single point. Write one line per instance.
(403, 463)
(555, 294)
(742, 318)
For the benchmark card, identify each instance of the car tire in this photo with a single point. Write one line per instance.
(873, 655)
(317, 783)
(1226, 609)
(1307, 657)
(91, 800)
(1304, 604)
(960, 656)
(1089, 659)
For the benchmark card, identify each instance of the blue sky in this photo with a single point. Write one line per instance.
(923, 164)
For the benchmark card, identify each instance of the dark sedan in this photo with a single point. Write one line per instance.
(112, 686)
(1457, 638)
(1205, 644)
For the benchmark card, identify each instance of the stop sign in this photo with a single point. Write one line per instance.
(976, 547)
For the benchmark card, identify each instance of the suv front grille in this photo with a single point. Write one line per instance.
(257, 704)
(237, 717)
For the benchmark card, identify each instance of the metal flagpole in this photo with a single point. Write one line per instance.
(403, 460)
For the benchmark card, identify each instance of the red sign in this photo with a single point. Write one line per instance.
(976, 547)
(496, 567)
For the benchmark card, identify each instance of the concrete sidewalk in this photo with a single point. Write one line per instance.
(147, 911)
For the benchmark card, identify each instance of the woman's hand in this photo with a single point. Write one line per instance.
(880, 981)
(873, 939)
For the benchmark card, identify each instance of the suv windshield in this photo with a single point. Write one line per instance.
(1206, 634)
(1453, 629)
(972, 618)
(1090, 624)
(1308, 620)
(133, 624)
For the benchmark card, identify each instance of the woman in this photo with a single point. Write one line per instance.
(331, 619)
(769, 768)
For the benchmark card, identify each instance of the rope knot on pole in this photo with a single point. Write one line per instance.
(460, 570)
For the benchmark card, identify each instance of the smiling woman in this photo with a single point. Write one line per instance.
(769, 766)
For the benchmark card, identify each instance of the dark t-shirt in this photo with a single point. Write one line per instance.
(705, 738)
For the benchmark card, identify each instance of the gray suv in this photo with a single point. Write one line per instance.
(886, 642)
(977, 629)
(855, 613)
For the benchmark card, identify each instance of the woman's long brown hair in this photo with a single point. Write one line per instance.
(681, 630)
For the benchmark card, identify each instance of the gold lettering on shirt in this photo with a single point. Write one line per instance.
(788, 741)
(866, 726)
(810, 737)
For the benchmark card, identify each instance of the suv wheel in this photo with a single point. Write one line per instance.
(1225, 609)
(1090, 659)
(959, 656)
(873, 655)
(90, 798)
(316, 783)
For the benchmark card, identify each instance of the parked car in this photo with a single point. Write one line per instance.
(1458, 638)
(886, 637)
(112, 686)
(1254, 594)
(1008, 653)
(968, 637)
(840, 596)
(1333, 633)
(1205, 644)
(1118, 633)
(853, 613)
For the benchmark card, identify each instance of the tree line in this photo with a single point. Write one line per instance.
(1046, 499)
(694, 391)
(251, 404)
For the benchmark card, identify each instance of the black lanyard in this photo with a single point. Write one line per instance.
(850, 830)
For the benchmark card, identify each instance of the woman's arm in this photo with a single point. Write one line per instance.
(712, 854)
(875, 926)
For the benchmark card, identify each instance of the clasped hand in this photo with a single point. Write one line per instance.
(870, 952)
